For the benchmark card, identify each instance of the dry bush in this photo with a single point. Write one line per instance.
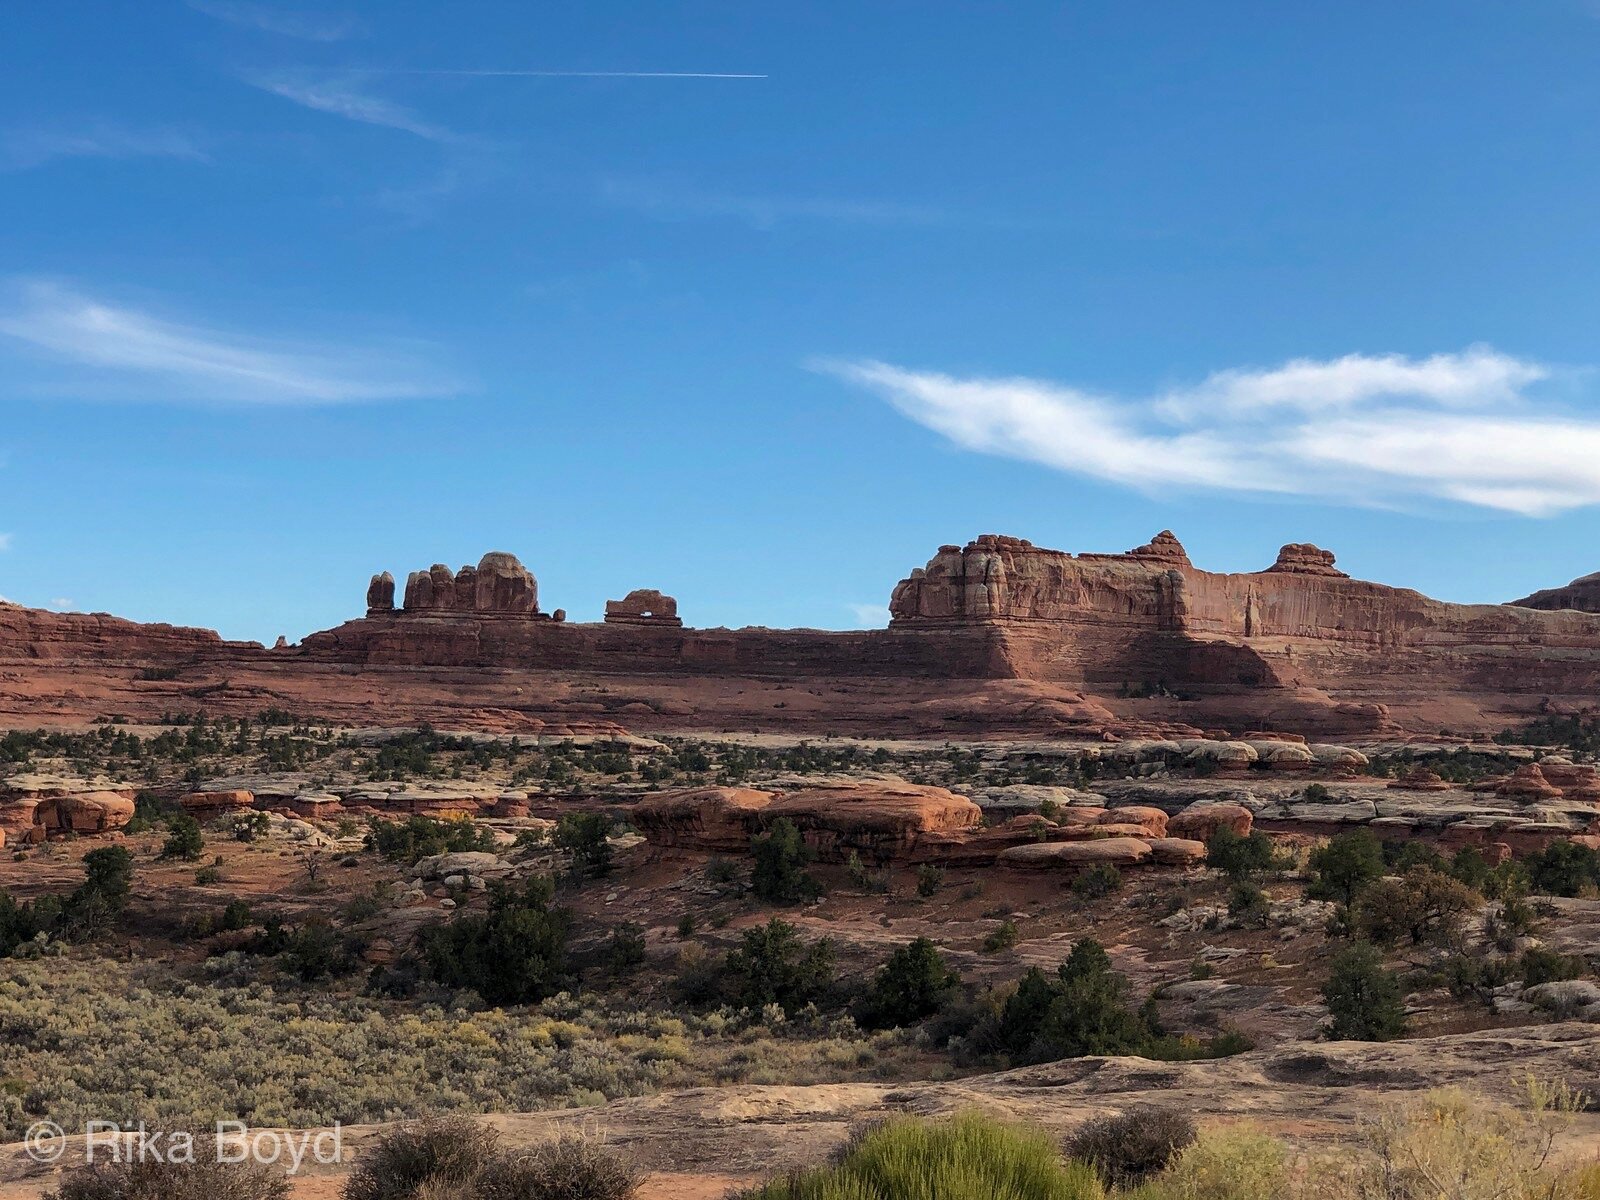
(1455, 1145)
(200, 1180)
(458, 1159)
(569, 1168)
(1132, 1146)
(439, 1154)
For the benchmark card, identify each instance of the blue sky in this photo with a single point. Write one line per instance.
(290, 294)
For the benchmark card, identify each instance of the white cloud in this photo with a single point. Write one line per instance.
(120, 351)
(5, 541)
(870, 616)
(342, 95)
(1358, 430)
(61, 602)
(23, 149)
(309, 27)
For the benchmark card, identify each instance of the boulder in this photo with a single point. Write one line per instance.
(715, 819)
(1052, 856)
(1177, 852)
(1152, 820)
(1200, 821)
(1420, 779)
(92, 812)
(463, 863)
(206, 806)
(1344, 759)
(882, 820)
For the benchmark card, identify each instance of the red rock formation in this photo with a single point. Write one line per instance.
(643, 606)
(1527, 784)
(1163, 548)
(34, 807)
(1420, 779)
(1071, 856)
(499, 584)
(1201, 821)
(1153, 821)
(207, 806)
(717, 819)
(1581, 595)
(880, 821)
(1302, 558)
(380, 594)
(998, 637)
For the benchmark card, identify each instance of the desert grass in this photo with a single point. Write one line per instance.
(90, 1037)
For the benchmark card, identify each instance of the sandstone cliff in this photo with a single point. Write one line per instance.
(997, 637)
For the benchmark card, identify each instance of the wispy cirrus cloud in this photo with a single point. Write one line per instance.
(307, 27)
(1361, 429)
(5, 541)
(345, 94)
(23, 149)
(674, 201)
(99, 349)
(870, 616)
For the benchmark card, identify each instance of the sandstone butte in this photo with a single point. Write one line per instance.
(998, 637)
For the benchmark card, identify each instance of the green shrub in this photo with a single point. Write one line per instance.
(587, 837)
(89, 910)
(1364, 999)
(721, 871)
(1083, 1010)
(251, 826)
(1240, 856)
(781, 856)
(862, 878)
(969, 1157)
(913, 984)
(1131, 1146)
(207, 876)
(515, 953)
(1249, 905)
(315, 951)
(184, 839)
(929, 880)
(686, 926)
(1471, 868)
(203, 1179)
(773, 966)
(1097, 882)
(420, 837)
(1423, 905)
(1541, 965)
(1563, 869)
(1002, 937)
(235, 915)
(625, 951)
(1344, 866)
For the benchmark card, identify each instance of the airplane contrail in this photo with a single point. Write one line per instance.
(577, 74)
